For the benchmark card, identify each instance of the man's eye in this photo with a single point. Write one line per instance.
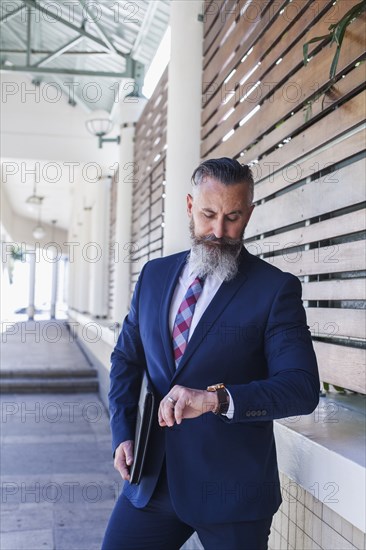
(233, 219)
(208, 215)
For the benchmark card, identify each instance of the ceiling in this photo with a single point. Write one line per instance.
(56, 204)
(75, 43)
(93, 50)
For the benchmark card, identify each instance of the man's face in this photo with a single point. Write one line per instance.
(218, 216)
(219, 210)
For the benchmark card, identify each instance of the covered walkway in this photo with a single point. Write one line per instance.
(95, 174)
(57, 478)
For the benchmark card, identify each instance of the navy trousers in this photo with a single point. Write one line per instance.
(157, 527)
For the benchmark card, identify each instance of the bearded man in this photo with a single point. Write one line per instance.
(223, 337)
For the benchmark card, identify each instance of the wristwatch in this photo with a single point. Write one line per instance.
(224, 399)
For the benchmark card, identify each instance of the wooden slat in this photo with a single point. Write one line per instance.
(152, 126)
(301, 83)
(151, 150)
(266, 54)
(341, 365)
(327, 259)
(150, 159)
(220, 101)
(352, 84)
(336, 322)
(336, 289)
(112, 240)
(267, 51)
(323, 157)
(226, 14)
(328, 229)
(156, 223)
(345, 118)
(211, 13)
(221, 30)
(300, 203)
(245, 33)
(289, 49)
(149, 156)
(156, 254)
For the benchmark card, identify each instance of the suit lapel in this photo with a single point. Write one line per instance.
(220, 301)
(170, 284)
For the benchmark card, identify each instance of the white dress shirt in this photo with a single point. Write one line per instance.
(211, 285)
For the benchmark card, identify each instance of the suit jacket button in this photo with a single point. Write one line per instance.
(247, 413)
(264, 412)
(253, 413)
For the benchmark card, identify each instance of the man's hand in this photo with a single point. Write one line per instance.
(183, 403)
(123, 458)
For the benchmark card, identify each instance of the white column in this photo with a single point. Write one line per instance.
(184, 118)
(130, 113)
(32, 285)
(98, 297)
(83, 264)
(71, 279)
(54, 286)
(74, 246)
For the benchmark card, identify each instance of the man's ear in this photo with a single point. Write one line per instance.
(189, 204)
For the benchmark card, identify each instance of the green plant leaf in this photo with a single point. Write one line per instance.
(336, 35)
(305, 48)
(339, 389)
(334, 64)
(308, 111)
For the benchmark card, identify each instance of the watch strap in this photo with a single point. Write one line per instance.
(224, 401)
(223, 398)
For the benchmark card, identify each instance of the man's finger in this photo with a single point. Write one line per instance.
(124, 473)
(178, 411)
(129, 453)
(124, 458)
(120, 466)
(168, 413)
(161, 420)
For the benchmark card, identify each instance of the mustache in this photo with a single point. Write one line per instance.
(223, 241)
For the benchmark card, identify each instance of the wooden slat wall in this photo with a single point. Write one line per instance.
(112, 242)
(306, 146)
(149, 181)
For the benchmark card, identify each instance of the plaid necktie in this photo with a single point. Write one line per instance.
(183, 319)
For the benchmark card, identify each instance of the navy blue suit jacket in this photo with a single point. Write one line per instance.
(253, 337)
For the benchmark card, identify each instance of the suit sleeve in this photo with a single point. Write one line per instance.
(127, 366)
(292, 385)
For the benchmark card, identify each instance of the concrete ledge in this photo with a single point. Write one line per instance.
(327, 458)
(51, 385)
(97, 339)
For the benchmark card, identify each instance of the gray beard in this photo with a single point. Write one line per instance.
(220, 259)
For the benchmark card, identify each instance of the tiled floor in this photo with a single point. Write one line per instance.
(58, 484)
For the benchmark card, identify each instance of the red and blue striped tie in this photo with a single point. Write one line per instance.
(184, 318)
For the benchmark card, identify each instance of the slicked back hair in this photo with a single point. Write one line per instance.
(227, 171)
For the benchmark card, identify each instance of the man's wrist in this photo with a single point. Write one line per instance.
(223, 398)
(212, 401)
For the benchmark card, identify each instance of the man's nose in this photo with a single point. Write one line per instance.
(219, 229)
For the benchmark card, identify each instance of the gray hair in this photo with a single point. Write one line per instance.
(227, 171)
